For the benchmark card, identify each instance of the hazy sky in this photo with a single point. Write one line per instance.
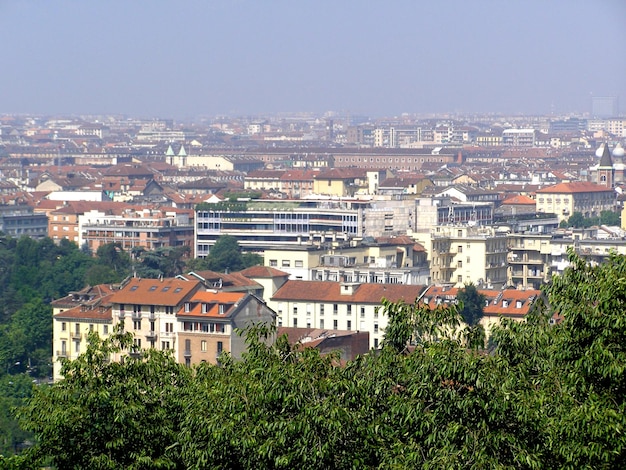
(184, 58)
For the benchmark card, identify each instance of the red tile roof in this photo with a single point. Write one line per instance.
(213, 300)
(518, 200)
(575, 187)
(167, 292)
(325, 291)
(263, 272)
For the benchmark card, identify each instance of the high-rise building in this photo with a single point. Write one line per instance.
(604, 106)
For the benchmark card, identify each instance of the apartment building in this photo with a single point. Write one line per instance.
(148, 308)
(466, 253)
(392, 260)
(339, 305)
(564, 199)
(259, 225)
(20, 220)
(518, 137)
(529, 259)
(148, 228)
(75, 316)
(499, 303)
(208, 320)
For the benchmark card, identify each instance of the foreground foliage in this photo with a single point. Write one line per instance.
(549, 396)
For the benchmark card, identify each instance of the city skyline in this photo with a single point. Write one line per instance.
(370, 57)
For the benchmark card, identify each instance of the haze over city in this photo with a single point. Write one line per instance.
(187, 59)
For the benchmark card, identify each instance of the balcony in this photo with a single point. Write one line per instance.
(151, 316)
(76, 336)
(62, 353)
(121, 315)
(187, 353)
(136, 315)
(151, 336)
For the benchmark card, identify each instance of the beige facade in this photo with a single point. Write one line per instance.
(529, 260)
(462, 254)
(564, 199)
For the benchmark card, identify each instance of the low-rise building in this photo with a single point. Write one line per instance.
(564, 199)
(339, 305)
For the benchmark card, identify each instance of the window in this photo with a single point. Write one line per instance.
(151, 326)
(220, 347)
(137, 343)
(286, 263)
(335, 309)
(63, 326)
(459, 279)
(77, 347)
(63, 348)
(187, 307)
(321, 324)
(295, 309)
(459, 264)
(295, 323)
(203, 345)
(136, 324)
(375, 327)
(187, 346)
(362, 312)
(322, 310)
(334, 324)
(299, 263)
(105, 329)
(349, 325)
(349, 309)
(91, 327)
(77, 328)
(205, 308)
(375, 343)
(273, 262)
(169, 327)
(165, 345)
(459, 249)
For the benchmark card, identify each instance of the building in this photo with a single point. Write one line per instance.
(499, 303)
(339, 305)
(74, 317)
(148, 228)
(462, 254)
(387, 260)
(20, 220)
(564, 199)
(262, 224)
(529, 260)
(148, 308)
(208, 321)
(604, 106)
(518, 137)
(347, 344)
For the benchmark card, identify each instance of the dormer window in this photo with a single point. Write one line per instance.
(187, 307)
(518, 304)
(205, 308)
(505, 303)
(221, 309)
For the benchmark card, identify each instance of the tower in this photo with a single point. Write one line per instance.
(605, 168)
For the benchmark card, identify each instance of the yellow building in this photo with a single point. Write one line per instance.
(74, 317)
(564, 199)
(462, 254)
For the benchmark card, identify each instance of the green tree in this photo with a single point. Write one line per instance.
(107, 414)
(225, 255)
(610, 218)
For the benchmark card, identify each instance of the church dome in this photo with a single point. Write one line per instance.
(618, 151)
(600, 150)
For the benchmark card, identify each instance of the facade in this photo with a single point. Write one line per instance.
(208, 320)
(462, 254)
(529, 260)
(20, 220)
(339, 306)
(564, 199)
(148, 229)
(74, 317)
(148, 308)
(259, 225)
(501, 303)
(518, 137)
(395, 260)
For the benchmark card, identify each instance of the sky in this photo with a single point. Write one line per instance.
(189, 58)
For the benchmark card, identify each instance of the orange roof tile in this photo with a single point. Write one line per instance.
(167, 292)
(575, 187)
(325, 291)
